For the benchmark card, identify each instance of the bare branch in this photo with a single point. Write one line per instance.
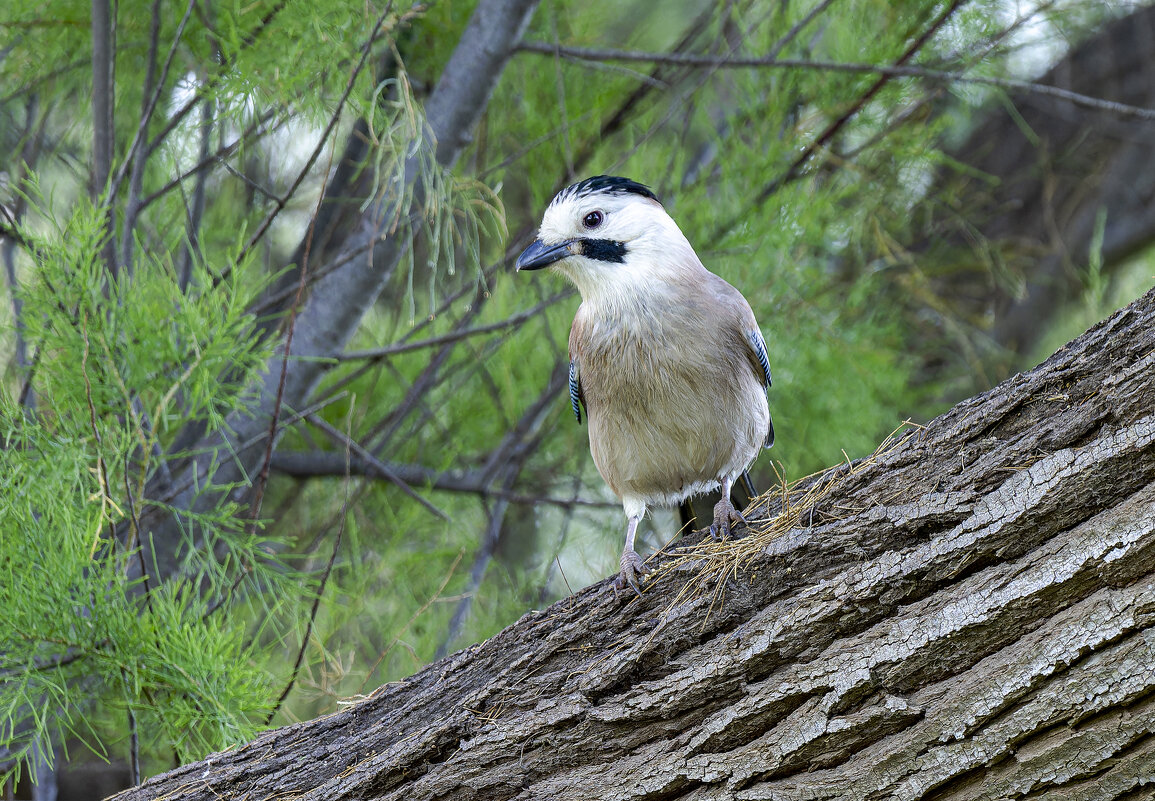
(103, 118)
(209, 86)
(195, 211)
(251, 134)
(149, 96)
(506, 462)
(380, 467)
(795, 29)
(455, 336)
(321, 464)
(10, 236)
(831, 130)
(897, 70)
(323, 139)
(632, 104)
(418, 391)
(316, 599)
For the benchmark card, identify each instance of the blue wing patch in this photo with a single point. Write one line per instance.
(575, 390)
(759, 346)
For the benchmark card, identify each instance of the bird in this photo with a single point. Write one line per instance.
(665, 357)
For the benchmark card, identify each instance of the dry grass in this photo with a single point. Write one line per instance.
(714, 562)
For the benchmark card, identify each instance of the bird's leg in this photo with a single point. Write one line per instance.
(631, 564)
(725, 514)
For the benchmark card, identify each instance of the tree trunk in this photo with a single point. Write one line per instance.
(966, 614)
(1048, 187)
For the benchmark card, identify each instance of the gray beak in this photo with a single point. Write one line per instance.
(539, 255)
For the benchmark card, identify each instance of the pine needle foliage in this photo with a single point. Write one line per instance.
(144, 308)
(119, 362)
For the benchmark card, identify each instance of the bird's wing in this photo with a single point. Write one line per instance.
(745, 327)
(758, 344)
(739, 322)
(758, 348)
(576, 399)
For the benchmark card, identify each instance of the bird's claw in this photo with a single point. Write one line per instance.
(725, 516)
(632, 568)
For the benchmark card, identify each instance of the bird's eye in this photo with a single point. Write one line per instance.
(593, 219)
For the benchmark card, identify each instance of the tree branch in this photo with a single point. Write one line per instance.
(103, 118)
(504, 465)
(208, 87)
(885, 70)
(380, 468)
(339, 299)
(331, 464)
(281, 201)
(833, 128)
(10, 236)
(134, 158)
(455, 336)
(321, 585)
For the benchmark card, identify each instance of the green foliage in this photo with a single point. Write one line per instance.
(120, 362)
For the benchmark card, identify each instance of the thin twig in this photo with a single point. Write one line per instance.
(319, 463)
(790, 35)
(282, 379)
(454, 336)
(101, 468)
(420, 611)
(252, 134)
(204, 89)
(146, 117)
(316, 599)
(133, 734)
(29, 155)
(505, 463)
(323, 140)
(897, 70)
(191, 254)
(831, 130)
(135, 543)
(490, 539)
(136, 181)
(103, 118)
(174, 489)
(418, 393)
(376, 463)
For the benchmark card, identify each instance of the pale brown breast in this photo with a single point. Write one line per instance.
(673, 402)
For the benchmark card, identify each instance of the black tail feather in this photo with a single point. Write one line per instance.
(748, 485)
(686, 513)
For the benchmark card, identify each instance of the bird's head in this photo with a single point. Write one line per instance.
(610, 235)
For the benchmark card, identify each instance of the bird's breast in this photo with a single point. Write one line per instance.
(672, 408)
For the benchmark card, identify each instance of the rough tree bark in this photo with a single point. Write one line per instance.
(967, 614)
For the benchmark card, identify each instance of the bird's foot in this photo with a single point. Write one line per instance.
(632, 570)
(725, 516)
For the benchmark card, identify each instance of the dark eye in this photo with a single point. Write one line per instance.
(593, 219)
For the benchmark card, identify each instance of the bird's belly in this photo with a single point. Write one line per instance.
(663, 441)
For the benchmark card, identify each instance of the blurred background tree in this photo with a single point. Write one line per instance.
(202, 536)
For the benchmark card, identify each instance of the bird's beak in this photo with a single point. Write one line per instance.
(540, 255)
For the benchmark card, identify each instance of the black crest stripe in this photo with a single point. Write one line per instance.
(605, 184)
